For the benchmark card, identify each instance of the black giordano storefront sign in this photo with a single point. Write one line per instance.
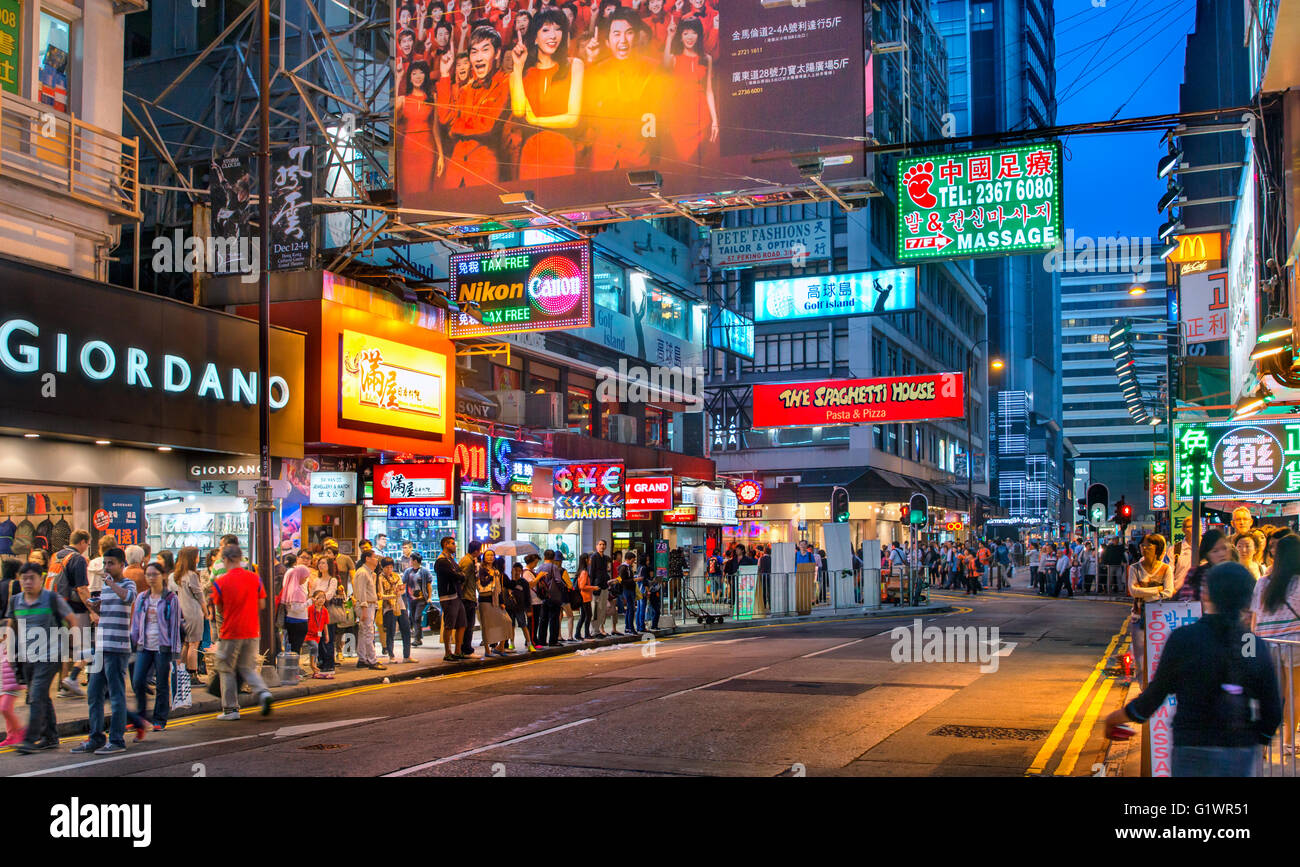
(88, 359)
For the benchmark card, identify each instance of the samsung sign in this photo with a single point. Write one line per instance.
(818, 296)
(88, 359)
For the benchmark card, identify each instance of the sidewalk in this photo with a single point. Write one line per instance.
(72, 713)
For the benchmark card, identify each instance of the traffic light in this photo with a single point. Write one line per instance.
(918, 509)
(839, 505)
(1098, 497)
(1083, 509)
(1123, 513)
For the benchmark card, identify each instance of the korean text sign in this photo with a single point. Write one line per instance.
(979, 203)
(541, 288)
(1162, 618)
(1255, 459)
(854, 401)
(817, 296)
(589, 491)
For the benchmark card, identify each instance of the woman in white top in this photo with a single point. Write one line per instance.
(1149, 580)
(193, 608)
(1248, 553)
(326, 578)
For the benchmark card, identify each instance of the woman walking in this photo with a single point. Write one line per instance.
(1275, 614)
(194, 610)
(497, 625)
(392, 593)
(156, 632)
(295, 599)
(1149, 580)
(1214, 550)
(1217, 731)
(585, 588)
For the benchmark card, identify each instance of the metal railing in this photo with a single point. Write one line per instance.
(1279, 759)
(774, 594)
(57, 151)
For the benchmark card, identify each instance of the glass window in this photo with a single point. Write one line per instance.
(54, 41)
(543, 378)
(505, 378)
(665, 311)
(608, 408)
(654, 427)
(579, 410)
(609, 285)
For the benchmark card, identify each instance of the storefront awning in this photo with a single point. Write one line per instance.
(842, 476)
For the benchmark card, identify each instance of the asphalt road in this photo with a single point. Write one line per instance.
(813, 699)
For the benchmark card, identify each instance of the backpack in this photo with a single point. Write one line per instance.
(575, 594)
(557, 593)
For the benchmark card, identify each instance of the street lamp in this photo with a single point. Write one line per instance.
(994, 364)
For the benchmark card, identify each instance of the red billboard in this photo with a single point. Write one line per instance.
(414, 483)
(564, 101)
(650, 493)
(860, 401)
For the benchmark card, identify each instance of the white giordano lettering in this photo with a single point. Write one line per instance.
(28, 359)
(97, 360)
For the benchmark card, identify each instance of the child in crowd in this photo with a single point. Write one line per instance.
(318, 624)
(14, 731)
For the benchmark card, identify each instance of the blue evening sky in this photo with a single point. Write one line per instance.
(1110, 180)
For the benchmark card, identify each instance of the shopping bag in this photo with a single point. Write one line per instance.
(181, 688)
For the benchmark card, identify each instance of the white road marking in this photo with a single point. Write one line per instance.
(308, 728)
(715, 683)
(133, 754)
(416, 768)
(847, 644)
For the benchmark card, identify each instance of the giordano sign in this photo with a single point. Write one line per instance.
(88, 359)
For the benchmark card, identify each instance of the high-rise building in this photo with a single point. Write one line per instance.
(1002, 77)
(879, 465)
(1098, 425)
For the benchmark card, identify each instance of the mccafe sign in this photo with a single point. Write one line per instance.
(88, 359)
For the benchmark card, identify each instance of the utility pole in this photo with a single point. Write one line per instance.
(264, 507)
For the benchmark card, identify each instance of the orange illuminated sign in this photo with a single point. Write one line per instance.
(392, 384)
(954, 526)
(1200, 247)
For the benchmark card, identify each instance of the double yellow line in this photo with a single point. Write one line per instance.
(1118, 644)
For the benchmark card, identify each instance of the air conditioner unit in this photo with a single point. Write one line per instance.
(622, 428)
(513, 405)
(788, 480)
(545, 411)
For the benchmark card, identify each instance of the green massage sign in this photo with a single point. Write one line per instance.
(1242, 460)
(979, 203)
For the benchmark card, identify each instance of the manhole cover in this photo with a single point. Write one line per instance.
(321, 747)
(993, 733)
(793, 687)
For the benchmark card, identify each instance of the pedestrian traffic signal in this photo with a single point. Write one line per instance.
(1098, 497)
(839, 505)
(1083, 509)
(918, 509)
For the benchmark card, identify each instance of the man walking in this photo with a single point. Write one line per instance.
(469, 595)
(449, 578)
(74, 587)
(365, 598)
(240, 597)
(417, 581)
(599, 570)
(112, 649)
(627, 579)
(31, 617)
(1003, 556)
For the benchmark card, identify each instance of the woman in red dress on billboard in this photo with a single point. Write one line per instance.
(695, 112)
(546, 91)
(420, 155)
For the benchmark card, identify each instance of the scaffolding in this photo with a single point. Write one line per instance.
(331, 89)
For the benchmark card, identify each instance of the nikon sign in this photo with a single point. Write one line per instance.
(87, 359)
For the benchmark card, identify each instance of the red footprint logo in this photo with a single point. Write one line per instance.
(917, 179)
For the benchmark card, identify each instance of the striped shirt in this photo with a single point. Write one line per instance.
(114, 632)
(1282, 623)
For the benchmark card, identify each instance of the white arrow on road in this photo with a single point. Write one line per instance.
(308, 728)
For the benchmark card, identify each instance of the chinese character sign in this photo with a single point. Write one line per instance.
(1255, 459)
(979, 203)
(11, 66)
(1162, 618)
(291, 192)
(1159, 474)
(1203, 306)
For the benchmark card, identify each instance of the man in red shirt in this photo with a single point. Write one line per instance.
(622, 97)
(476, 115)
(240, 596)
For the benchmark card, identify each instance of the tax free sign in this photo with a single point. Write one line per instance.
(979, 203)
